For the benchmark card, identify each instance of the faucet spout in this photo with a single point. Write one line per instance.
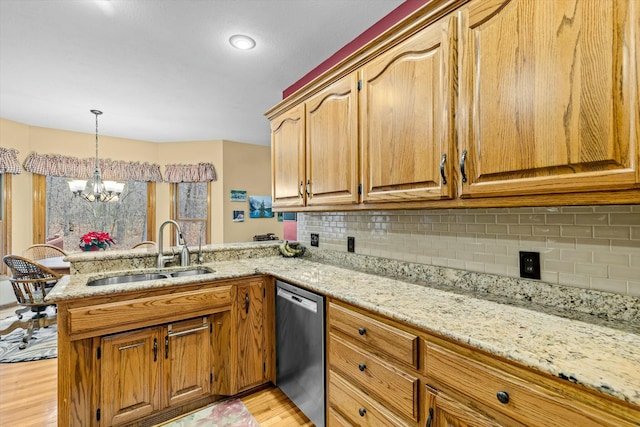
(162, 258)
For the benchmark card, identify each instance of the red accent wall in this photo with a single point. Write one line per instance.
(375, 30)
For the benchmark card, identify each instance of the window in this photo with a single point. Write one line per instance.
(191, 209)
(125, 219)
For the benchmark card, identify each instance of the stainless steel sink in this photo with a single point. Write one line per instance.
(127, 278)
(141, 277)
(192, 272)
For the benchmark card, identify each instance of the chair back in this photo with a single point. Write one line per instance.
(30, 281)
(148, 244)
(42, 251)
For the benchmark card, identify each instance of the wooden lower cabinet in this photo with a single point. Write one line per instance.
(154, 368)
(130, 376)
(443, 411)
(250, 328)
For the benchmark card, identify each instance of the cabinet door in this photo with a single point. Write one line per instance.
(332, 144)
(548, 96)
(443, 411)
(130, 376)
(187, 361)
(250, 334)
(407, 104)
(288, 158)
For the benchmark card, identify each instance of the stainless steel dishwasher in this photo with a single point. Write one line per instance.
(300, 349)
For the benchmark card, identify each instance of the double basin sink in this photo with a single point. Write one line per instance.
(140, 277)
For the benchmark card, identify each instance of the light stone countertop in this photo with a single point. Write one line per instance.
(594, 355)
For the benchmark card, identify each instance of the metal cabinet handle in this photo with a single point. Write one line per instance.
(166, 347)
(362, 412)
(155, 349)
(246, 303)
(503, 397)
(362, 331)
(442, 162)
(300, 190)
(430, 417)
(462, 160)
(308, 189)
(362, 367)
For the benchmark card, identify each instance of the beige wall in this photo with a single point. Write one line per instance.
(246, 167)
(27, 139)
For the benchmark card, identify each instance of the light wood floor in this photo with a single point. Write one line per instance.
(28, 397)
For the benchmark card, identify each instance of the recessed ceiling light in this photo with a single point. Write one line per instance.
(240, 41)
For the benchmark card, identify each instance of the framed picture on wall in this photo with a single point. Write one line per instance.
(260, 207)
(238, 196)
(238, 216)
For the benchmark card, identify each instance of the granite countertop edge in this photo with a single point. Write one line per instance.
(595, 356)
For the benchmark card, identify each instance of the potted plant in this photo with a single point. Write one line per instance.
(95, 241)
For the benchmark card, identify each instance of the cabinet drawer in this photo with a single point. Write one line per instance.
(358, 408)
(388, 383)
(384, 338)
(525, 402)
(103, 319)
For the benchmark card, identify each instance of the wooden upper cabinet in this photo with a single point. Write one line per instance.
(548, 96)
(407, 102)
(288, 158)
(332, 144)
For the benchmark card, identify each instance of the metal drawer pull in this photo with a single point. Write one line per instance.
(430, 417)
(155, 349)
(188, 331)
(126, 347)
(362, 331)
(362, 412)
(308, 188)
(503, 397)
(300, 190)
(362, 367)
(462, 160)
(442, 162)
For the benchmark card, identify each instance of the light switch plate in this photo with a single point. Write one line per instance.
(315, 239)
(351, 244)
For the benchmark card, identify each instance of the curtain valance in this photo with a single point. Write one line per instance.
(72, 167)
(9, 161)
(201, 172)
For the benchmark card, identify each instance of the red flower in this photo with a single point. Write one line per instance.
(95, 240)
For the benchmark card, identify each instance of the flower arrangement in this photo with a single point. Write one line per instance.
(95, 241)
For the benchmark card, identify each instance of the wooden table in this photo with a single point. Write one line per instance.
(56, 264)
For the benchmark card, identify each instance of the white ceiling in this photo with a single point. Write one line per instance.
(163, 70)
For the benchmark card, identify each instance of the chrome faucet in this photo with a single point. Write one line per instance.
(184, 253)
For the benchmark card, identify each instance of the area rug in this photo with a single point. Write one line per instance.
(42, 345)
(227, 413)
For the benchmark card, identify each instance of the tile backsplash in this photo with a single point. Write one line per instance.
(591, 247)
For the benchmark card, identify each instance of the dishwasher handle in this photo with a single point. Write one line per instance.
(303, 302)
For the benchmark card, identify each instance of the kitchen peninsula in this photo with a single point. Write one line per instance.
(577, 370)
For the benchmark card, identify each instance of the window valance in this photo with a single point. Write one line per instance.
(9, 161)
(72, 167)
(201, 172)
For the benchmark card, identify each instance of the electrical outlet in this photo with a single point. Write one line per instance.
(530, 265)
(315, 239)
(351, 244)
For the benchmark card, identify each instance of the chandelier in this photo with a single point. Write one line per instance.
(96, 190)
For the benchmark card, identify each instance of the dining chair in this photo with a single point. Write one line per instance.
(147, 244)
(31, 283)
(42, 251)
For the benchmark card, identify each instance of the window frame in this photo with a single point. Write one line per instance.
(39, 209)
(173, 196)
(5, 187)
